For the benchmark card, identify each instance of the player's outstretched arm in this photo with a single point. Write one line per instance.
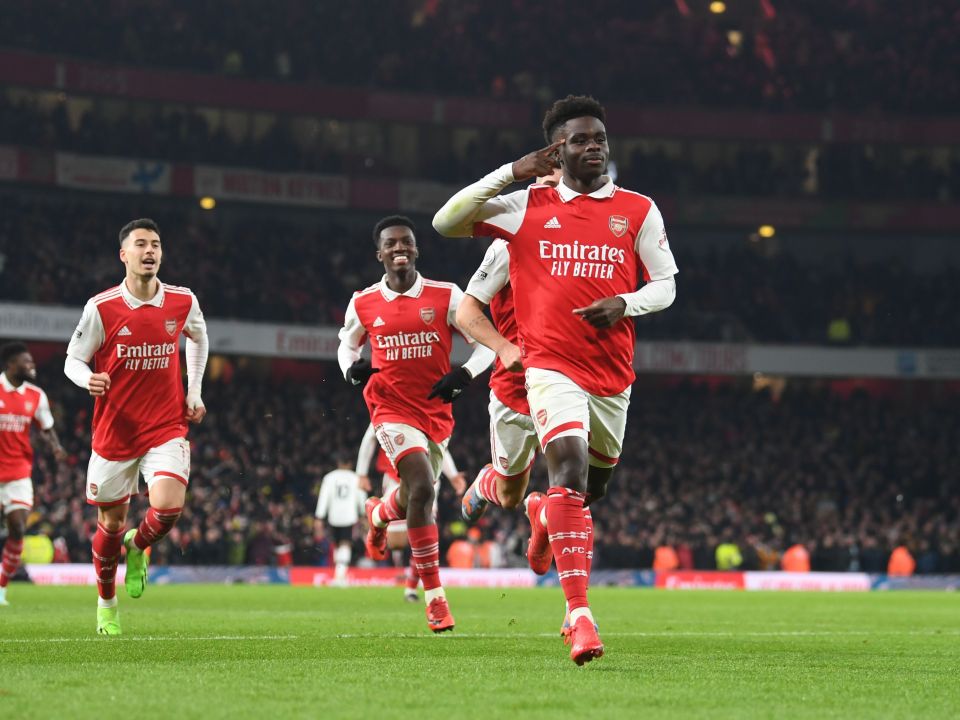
(471, 318)
(356, 370)
(53, 442)
(368, 448)
(85, 341)
(456, 478)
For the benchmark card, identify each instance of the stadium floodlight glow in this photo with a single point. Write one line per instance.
(208, 203)
(717, 7)
(766, 231)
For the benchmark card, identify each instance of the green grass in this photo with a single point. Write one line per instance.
(283, 652)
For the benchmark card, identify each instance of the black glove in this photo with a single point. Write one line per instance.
(449, 387)
(360, 372)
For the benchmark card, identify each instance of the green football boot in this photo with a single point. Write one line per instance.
(108, 621)
(137, 562)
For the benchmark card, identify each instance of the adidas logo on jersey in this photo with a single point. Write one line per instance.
(552, 223)
(124, 331)
(379, 322)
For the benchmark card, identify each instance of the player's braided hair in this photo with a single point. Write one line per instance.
(138, 224)
(391, 221)
(9, 351)
(572, 106)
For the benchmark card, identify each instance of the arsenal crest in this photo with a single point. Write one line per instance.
(94, 489)
(170, 326)
(399, 439)
(618, 225)
(428, 315)
(542, 417)
(504, 462)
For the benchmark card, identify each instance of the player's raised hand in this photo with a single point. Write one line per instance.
(603, 313)
(59, 454)
(459, 483)
(98, 384)
(363, 482)
(538, 163)
(196, 410)
(510, 358)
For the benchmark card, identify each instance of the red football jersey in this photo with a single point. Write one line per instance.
(137, 344)
(490, 285)
(566, 251)
(20, 407)
(411, 335)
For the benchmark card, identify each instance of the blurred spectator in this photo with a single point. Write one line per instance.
(901, 563)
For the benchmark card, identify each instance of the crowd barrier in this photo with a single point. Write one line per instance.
(83, 574)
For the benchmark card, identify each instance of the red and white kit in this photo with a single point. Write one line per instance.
(513, 437)
(20, 407)
(139, 425)
(566, 251)
(411, 335)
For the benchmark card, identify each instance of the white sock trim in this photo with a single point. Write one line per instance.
(581, 612)
(430, 595)
(104, 603)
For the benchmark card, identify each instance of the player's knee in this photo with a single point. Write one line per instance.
(511, 497)
(112, 525)
(16, 529)
(420, 493)
(569, 472)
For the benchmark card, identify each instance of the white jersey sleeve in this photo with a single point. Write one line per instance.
(368, 449)
(493, 274)
(89, 335)
(352, 337)
(448, 467)
(653, 248)
(323, 500)
(42, 415)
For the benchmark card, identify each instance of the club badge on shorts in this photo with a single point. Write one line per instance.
(94, 489)
(618, 225)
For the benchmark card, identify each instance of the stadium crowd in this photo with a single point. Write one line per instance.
(805, 54)
(850, 476)
(831, 172)
(733, 294)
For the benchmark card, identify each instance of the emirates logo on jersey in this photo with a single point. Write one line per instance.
(618, 225)
(399, 439)
(428, 315)
(170, 326)
(94, 489)
(542, 417)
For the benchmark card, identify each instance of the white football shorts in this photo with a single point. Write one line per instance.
(399, 440)
(113, 482)
(561, 408)
(16, 495)
(513, 440)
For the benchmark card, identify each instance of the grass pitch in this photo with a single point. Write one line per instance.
(289, 652)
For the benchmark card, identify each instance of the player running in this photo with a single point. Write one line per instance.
(408, 386)
(397, 529)
(22, 404)
(577, 255)
(140, 414)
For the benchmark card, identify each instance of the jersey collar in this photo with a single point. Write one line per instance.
(134, 302)
(8, 386)
(604, 191)
(390, 295)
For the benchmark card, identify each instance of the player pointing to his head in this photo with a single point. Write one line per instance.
(577, 254)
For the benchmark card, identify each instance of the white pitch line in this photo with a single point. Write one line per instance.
(733, 635)
(151, 638)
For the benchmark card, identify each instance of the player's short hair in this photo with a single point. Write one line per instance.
(138, 224)
(391, 221)
(570, 107)
(9, 351)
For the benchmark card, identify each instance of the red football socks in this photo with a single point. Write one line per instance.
(488, 487)
(413, 577)
(425, 546)
(389, 508)
(12, 550)
(106, 555)
(567, 527)
(155, 526)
